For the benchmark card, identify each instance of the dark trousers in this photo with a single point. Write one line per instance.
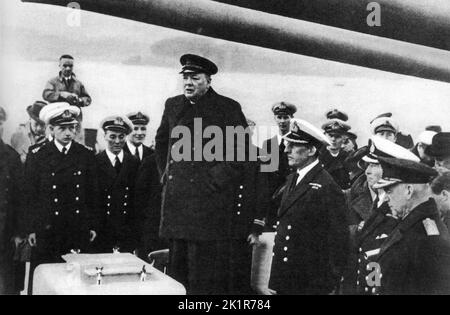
(6, 276)
(211, 267)
(52, 244)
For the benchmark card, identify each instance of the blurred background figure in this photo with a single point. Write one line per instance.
(135, 141)
(440, 187)
(10, 196)
(349, 144)
(66, 87)
(30, 134)
(440, 151)
(423, 141)
(333, 157)
(386, 127)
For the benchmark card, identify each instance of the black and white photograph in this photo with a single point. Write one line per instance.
(226, 152)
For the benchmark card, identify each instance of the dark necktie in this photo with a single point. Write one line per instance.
(282, 146)
(294, 182)
(118, 165)
(64, 151)
(136, 154)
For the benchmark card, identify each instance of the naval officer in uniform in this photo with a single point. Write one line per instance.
(31, 134)
(311, 244)
(415, 258)
(116, 171)
(135, 142)
(333, 157)
(283, 114)
(61, 184)
(371, 220)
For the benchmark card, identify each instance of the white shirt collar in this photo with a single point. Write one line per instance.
(112, 157)
(334, 154)
(381, 198)
(373, 194)
(132, 149)
(302, 173)
(280, 138)
(60, 147)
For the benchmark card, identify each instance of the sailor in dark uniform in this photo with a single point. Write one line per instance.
(283, 113)
(116, 171)
(415, 257)
(61, 184)
(385, 126)
(135, 142)
(371, 220)
(311, 244)
(333, 157)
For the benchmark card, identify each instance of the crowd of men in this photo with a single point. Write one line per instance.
(347, 220)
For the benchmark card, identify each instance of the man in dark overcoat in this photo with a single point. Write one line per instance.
(311, 242)
(116, 175)
(197, 207)
(10, 196)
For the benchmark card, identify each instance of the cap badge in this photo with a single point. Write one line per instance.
(66, 114)
(139, 115)
(295, 128)
(118, 121)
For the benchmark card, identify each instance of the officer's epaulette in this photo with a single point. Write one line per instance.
(259, 222)
(315, 185)
(36, 147)
(431, 227)
(89, 148)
